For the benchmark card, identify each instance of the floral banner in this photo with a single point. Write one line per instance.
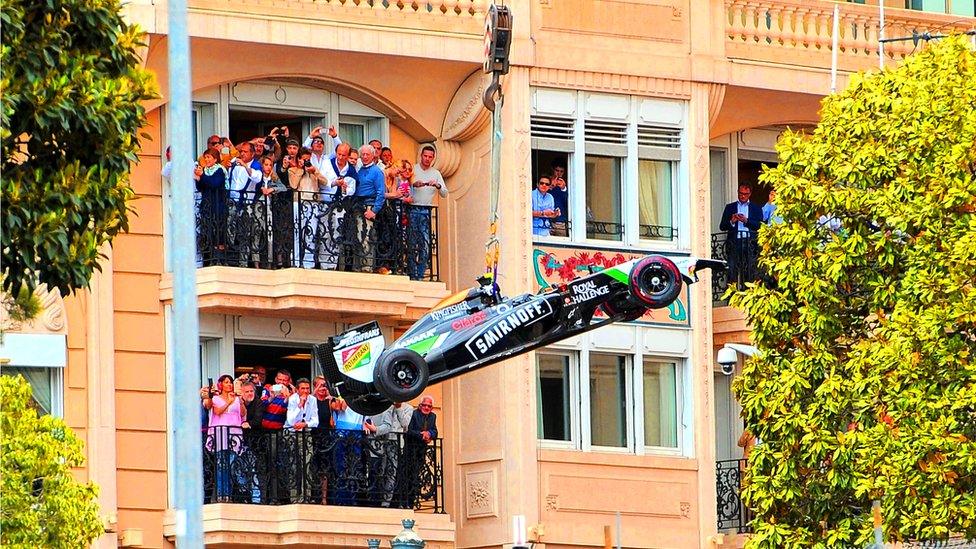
(556, 264)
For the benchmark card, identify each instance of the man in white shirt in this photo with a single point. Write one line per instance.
(340, 177)
(242, 180)
(302, 417)
(427, 183)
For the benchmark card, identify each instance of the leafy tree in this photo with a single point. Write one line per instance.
(41, 502)
(71, 88)
(866, 388)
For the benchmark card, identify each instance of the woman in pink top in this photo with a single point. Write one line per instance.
(224, 437)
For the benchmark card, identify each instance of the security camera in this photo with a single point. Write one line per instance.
(727, 359)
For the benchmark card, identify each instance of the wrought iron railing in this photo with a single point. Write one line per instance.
(732, 513)
(322, 466)
(292, 229)
(741, 252)
(658, 232)
(604, 230)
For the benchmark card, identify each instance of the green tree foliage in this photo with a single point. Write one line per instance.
(41, 503)
(71, 88)
(867, 388)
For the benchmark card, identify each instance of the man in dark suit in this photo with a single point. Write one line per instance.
(421, 432)
(741, 221)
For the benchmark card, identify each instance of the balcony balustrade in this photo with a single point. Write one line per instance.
(732, 513)
(322, 466)
(246, 229)
(800, 32)
(741, 253)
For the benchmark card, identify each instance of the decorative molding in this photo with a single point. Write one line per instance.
(716, 96)
(51, 319)
(466, 116)
(552, 502)
(448, 158)
(481, 494)
(618, 83)
(685, 509)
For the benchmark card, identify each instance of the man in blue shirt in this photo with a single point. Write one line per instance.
(369, 198)
(543, 207)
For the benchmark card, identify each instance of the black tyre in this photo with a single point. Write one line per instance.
(369, 404)
(401, 375)
(655, 282)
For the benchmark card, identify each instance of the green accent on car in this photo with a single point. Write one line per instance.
(421, 347)
(617, 274)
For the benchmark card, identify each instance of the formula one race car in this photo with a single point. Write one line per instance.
(476, 328)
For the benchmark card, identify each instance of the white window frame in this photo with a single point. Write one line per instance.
(588, 445)
(679, 403)
(629, 153)
(579, 350)
(575, 436)
(39, 351)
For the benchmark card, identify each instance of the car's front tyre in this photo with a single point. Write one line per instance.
(401, 375)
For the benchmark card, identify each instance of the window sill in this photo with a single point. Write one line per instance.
(580, 457)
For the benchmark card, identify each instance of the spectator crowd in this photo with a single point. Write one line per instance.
(279, 443)
(275, 202)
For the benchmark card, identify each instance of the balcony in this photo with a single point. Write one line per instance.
(438, 29)
(303, 258)
(319, 467)
(733, 515)
(800, 32)
(741, 253)
(265, 488)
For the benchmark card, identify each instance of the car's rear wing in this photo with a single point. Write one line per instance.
(356, 351)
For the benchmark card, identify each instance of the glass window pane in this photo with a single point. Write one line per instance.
(553, 397)
(660, 404)
(352, 134)
(654, 199)
(40, 382)
(603, 219)
(608, 400)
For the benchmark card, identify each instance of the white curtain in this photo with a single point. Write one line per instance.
(654, 196)
(40, 382)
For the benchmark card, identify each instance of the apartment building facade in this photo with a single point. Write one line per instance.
(655, 109)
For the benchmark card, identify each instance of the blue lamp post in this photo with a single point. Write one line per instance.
(407, 539)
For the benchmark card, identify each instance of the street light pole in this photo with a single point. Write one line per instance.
(185, 408)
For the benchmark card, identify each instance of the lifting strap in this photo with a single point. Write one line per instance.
(492, 245)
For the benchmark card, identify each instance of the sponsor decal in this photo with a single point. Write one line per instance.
(587, 290)
(355, 338)
(355, 357)
(449, 311)
(425, 346)
(469, 321)
(415, 338)
(525, 315)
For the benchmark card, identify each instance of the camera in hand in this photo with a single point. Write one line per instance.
(269, 142)
(308, 163)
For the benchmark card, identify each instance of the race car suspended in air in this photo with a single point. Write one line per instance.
(476, 328)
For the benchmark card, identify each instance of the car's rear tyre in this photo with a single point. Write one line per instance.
(368, 405)
(655, 281)
(401, 375)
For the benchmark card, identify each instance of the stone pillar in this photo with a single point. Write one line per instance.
(702, 95)
(492, 410)
(100, 346)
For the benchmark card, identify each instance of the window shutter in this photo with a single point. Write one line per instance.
(659, 142)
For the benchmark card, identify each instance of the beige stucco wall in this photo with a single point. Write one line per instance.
(417, 72)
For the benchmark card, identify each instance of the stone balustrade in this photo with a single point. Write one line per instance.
(800, 32)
